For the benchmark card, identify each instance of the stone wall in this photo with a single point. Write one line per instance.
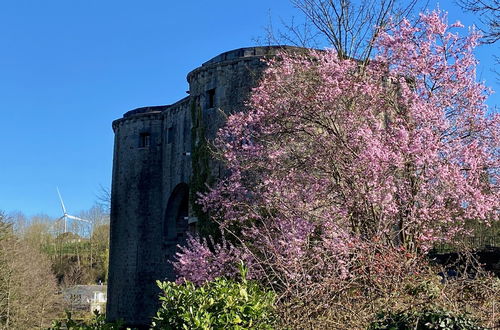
(157, 161)
(136, 206)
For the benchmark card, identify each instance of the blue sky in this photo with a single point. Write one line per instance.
(69, 68)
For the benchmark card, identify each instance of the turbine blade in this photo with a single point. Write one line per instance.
(77, 218)
(62, 203)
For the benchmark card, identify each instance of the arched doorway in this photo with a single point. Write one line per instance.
(176, 214)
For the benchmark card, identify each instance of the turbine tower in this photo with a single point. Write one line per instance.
(67, 216)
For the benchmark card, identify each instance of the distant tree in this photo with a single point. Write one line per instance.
(100, 248)
(81, 256)
(38, 232)
(104, 198)
(76, 257)
(4, 219)
(19, 222)
(98, 214)
(28, 291)
(75, 274)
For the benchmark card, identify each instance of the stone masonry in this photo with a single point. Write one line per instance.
(152, 172)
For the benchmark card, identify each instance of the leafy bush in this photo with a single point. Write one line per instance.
(221, 303)
(426, 319)
(98, 322)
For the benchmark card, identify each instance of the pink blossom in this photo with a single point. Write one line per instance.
(333, 155)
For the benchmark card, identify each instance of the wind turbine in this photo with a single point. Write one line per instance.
(67, 216)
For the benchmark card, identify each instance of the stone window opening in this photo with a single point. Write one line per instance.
(144, 140)
(170, 134)
(211, 98)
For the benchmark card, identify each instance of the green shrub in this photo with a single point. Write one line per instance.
(422, 320)
(98, 322)
(221, 303)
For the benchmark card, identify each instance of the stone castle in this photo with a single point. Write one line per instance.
(154, 168)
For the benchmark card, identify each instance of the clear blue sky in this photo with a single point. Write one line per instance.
(69, 68)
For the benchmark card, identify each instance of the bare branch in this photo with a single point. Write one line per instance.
(347, 27)
(489, 12)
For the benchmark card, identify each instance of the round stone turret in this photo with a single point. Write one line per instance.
(156, 164)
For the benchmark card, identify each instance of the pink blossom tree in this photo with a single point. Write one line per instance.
(334, 155)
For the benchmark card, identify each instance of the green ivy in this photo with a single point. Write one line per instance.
(219, 304)
(422, 320)
(200, 162)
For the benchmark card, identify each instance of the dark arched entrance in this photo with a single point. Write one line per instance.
(176, 214)
(176, 221)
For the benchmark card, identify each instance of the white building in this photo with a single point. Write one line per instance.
(86, 297)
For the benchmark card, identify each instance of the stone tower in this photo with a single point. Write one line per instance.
(152, 175)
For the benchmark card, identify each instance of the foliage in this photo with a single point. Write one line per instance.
(206, 260)
(35, 257)
(75, 259)
(27, 286)
(98, 322)
(343, 174)
(425, 319)
(387, 281)
(218, 304)
(79, 260)
(362, 152)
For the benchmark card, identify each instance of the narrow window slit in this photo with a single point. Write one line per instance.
(144, 140)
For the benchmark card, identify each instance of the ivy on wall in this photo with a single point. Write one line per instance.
(201, 177)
